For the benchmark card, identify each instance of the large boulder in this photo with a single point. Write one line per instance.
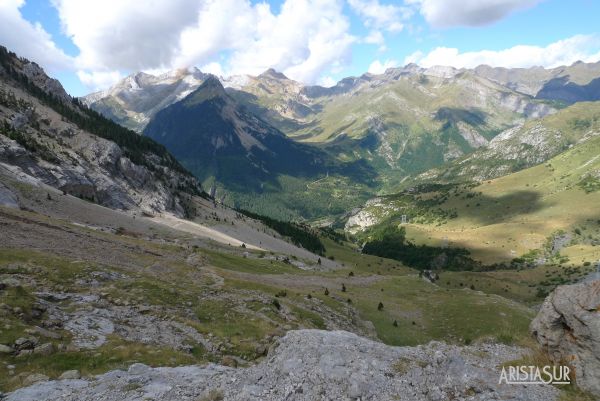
(568, 327)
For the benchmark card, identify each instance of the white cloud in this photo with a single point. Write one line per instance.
(304, 40)
(213, 68)
(375, 38)
(97, 80)
(377, 67)
(414, 57)
(375, 15)
(327, 82)
(29, 40)
(126, 34)
(563, 52)
(449, 13)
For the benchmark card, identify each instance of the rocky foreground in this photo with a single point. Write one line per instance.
(568, 328)
(314, 365)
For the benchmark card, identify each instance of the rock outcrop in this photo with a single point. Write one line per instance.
(314, 365)
(568, 327)
(47, 138)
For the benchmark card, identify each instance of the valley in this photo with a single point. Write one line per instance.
(412, 221)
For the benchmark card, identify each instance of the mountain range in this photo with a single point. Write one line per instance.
(270, 135)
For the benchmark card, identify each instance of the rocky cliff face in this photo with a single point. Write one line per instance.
(46, 138)
(313, 365)
(568, 328)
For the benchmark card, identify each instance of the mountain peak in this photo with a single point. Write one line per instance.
(272, 73)
(210, 89)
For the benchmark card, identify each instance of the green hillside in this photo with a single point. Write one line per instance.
(544, 214)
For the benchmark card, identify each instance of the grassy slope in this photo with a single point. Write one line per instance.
(219, 290)
(557, 132)
(508, 216)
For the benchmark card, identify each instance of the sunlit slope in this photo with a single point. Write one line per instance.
(507, 217)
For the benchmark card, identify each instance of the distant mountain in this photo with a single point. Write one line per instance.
(214, 136)
(398, 124)
(48, 138)
(523, 146)
(133, 101)
(575, 83)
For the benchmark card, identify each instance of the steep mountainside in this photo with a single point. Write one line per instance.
(47, 137)
(522, 146)
(218, 139)
(213, 136)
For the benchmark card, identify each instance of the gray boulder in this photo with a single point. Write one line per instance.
(568, 328)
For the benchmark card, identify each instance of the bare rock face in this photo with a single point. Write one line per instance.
(568, 327)
(310, 365)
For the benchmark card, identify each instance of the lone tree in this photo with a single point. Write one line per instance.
(343, 287)
(380, 306)
(326, 291)
(395, 323)
(319, 261)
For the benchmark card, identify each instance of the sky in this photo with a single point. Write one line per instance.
(91, 44)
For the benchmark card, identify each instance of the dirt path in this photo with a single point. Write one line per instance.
(200, 230)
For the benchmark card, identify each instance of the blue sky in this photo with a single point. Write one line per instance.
(89, 44)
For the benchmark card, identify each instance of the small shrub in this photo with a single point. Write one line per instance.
(276, 304)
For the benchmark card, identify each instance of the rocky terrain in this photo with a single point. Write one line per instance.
(568, 329)
(47, 138)
(313, 365)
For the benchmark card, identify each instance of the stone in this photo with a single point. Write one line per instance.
(24, 353)
(34, 378)
(70, 375)
(5, 349)
(260, 350)
(72, 348)
(568, 328)
(44, 349)
(46, 333)
(138, 369)
(229, 361)
(23, 343)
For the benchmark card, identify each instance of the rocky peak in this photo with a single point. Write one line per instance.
(210, 89)
(273, 74)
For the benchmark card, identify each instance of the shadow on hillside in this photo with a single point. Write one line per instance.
(569, 92)
(453, 115)
(492, 210)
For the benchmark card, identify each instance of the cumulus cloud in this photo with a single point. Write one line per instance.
(449, 13)
(213, 68)
(30, 40)
(306, 39)
(377, 67)
(375, 15)
(97, 80)
(126, 34)
(563, 52)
